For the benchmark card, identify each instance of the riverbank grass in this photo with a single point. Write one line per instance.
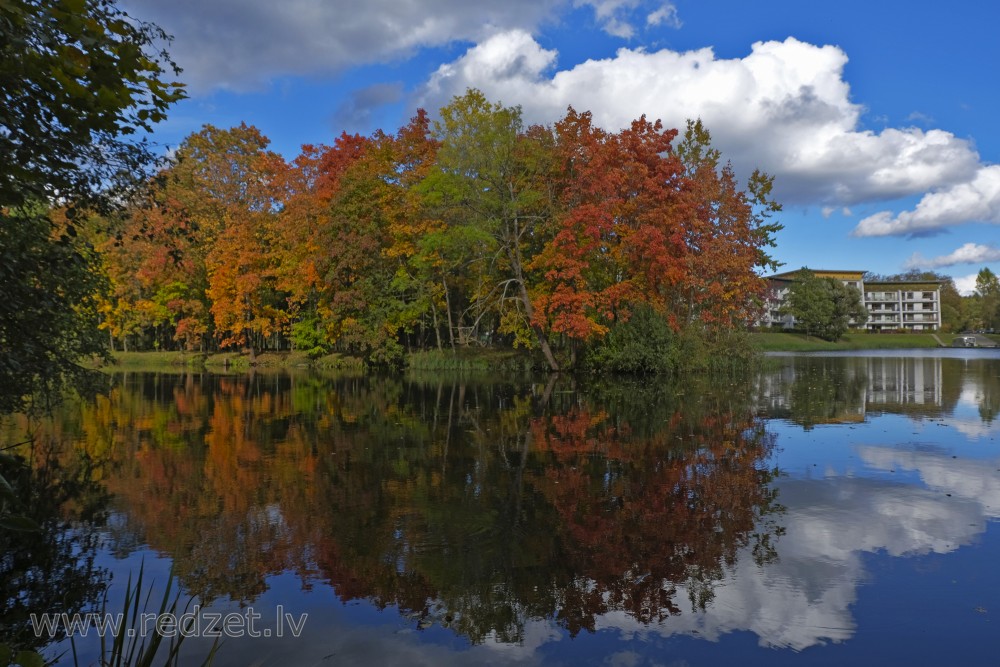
(491, 360)
(140, 361)
(795, 342)
(470, 359)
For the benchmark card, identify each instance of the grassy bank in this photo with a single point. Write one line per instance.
(471, 359)
(488, 360)
(143, 360)
(228, 361)
(793, 342)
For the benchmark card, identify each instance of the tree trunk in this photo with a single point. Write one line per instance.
(543, 342)
(437, 329)
(447, 303)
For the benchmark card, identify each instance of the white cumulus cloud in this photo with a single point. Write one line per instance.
(966, 285)
(784, 107)
(976, 199)
(969, 253)
(244, 45)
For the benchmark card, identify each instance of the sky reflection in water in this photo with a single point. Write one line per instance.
(428, 522)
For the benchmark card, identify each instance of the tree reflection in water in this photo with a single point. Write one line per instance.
(494, 507)
(475, 505)
(50, 569)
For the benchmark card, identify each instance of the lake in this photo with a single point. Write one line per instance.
(831, 509)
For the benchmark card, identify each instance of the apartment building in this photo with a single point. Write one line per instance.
(892, 306)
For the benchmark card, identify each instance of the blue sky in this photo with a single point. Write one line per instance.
(878, 119)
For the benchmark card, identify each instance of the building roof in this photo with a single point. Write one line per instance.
(907, 284)
(820, 273)
(840, 274)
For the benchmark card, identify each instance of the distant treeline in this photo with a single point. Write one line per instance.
(473, 230)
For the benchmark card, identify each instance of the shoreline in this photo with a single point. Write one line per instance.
(480, 359)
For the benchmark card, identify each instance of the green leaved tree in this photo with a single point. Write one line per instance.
(987, 298)
(824, 307)
(80, 80)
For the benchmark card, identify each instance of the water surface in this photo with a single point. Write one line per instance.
(833, 508)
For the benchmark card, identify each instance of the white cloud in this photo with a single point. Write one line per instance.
(966, 285)
(827, 211)
(970, 253)
(804, 597)
(244, 44)
(976, 199)
(921, 118)
(612, 15)
(970, 479)
(665, 15)
(784, 107)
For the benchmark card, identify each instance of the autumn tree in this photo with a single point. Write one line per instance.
(195, 255)
(618, 237)
(156, 269)
(359, 275)
(225, 183)
(305, 246)
(728, 236)
(352, 223)
(383, 290)
(489, 178)
(425, 251)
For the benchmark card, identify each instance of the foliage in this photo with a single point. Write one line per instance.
(494, 505)
(307, 335)
(646, 344)
(729, 237)
(988, 299)
(642, 344)
(620, 239)
(824, 307)
(49, 312)
(490, 177)
(472, 231)
(78, 80)
(128, 647)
